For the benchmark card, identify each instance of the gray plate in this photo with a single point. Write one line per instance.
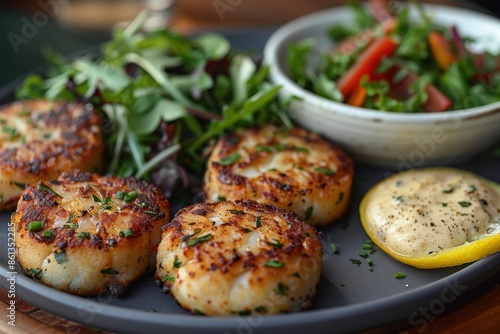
(350, 298)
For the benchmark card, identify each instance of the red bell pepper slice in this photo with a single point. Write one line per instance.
(366, 64)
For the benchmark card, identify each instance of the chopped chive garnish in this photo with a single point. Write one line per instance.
(83, 235)
(274, 264)
(444, 204)
(127, 232)
(258, 222)
(35, 273)
(282, 289)
(60, 257)
(367, 246)
(196, 241)
(129, 197)
(221, 198)
(48, 234)
(109, 271)
(448, 190)
(369, 261)
(45, 187)
(275, 244)
(307, 234)
(198, 312)
(362, 253)
(121, 234)
(355, 261)
(230, 159)
(177, 262)
(20, 185)
(399, 274)
(150, 212)
(334, 248)
(309, 212)
(168, 278)
(398, 198)
(96, 199)
(120, 195)
(323, 170)
(300, 149)
(187, 236)
(34, 226)
(247, 230)
(464, 204)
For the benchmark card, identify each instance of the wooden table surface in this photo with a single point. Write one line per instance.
(475, 312)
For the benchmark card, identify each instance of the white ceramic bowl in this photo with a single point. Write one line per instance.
(385, 139)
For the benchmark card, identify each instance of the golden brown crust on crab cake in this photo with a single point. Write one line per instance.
(292, 169)
(40, 139)
(84, 233)
(240, 257)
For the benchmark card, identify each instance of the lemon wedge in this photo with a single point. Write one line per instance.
(433, 217)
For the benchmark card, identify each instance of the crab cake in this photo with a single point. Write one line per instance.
(40, 139)
(240, 257)
(292, 169)
(84, 233)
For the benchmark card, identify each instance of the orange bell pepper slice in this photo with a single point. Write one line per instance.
(441, 50)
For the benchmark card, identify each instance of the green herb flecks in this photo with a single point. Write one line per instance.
(355, 262)
(309, 212)
(167, 278)
(324, 170)
(282, 289)
(399, 274)
(34, 226)
(35, 273)
(127, 232)
(83, 235)
(109, 271)
(274, 264)
(275, 243)
(42, 186)
(48, 233)
(61, 257)
(334, 248)
(230, 159)
(197, 241)
(258, 222)
(177, 262)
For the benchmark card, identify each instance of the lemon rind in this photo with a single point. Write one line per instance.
(458, 255)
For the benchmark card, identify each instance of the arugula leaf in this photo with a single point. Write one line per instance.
(164, 96)
(297, 60)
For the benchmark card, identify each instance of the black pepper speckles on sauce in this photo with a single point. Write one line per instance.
(427, 210)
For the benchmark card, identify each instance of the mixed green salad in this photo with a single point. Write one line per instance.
(388, 61)
(164, 97)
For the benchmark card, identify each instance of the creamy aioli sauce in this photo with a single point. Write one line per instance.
(424, 211)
